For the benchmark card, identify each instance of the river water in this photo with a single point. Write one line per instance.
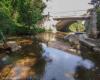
(56, 63)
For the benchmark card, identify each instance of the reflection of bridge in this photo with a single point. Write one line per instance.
(63, 22)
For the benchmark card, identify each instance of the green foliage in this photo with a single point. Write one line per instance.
(29, 12)
(38, 30)
(6, 24)
(98, 19)
(5, 7)
(24, 13)
(77, 27)
(0, 36)
(22, 31)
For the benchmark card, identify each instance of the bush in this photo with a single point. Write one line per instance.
(6, 24)
(22, 31)
(77, 27)
(38, 30)
(98, 19)
(8, 27)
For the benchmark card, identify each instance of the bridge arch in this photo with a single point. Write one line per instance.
(63, 25)
(65, 22)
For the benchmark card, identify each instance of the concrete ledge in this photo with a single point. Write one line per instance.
(96, 49)
(90, 45)
(87, 43)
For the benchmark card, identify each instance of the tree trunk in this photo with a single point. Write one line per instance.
(93, 24)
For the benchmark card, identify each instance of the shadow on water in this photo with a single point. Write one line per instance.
(28, 63)
(94, 57)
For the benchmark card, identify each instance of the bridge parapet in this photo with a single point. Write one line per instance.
(72, 18)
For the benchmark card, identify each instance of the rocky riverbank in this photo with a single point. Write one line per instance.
(93, 44)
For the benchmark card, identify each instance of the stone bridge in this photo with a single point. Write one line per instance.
(63, 22)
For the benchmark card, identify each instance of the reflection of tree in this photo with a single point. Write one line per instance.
(47, 37)
(37, 47)
(34, 49)
(39, 68)
(83, 74)
(86, 53)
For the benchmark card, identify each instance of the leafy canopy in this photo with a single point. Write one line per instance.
(77, 27)
(24, 13)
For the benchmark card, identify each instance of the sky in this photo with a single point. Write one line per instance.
(67, 7)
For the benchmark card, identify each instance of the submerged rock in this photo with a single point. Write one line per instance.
(72, 38)
(47, 57)
(87, 64)
(14, 46)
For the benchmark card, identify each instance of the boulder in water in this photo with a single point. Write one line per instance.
(13, 45)
(87, 64)
(72, 38)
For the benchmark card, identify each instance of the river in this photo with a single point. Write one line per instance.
(57, 63)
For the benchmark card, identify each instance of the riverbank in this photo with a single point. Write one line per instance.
(56, 40)
(92, 44)
(57, 49)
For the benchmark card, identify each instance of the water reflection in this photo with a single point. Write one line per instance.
(65, 66)
(94, 57)
(83, 74)
(24, 64)
(30, 63)
(47, 37)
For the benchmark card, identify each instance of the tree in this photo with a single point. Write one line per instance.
(30, 11)
(96, 3)
(98, 18)
(24, 13)
(77, 27)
